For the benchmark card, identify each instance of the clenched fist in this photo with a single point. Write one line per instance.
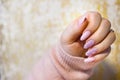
(85, 42)
(89, 36)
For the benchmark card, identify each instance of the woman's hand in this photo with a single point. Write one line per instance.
(89, 36)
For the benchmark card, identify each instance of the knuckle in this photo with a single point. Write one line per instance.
(105, 54)
(114, 36)
(106, 21)
(95, 14)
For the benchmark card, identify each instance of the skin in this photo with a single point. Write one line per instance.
(100, 33)
(71, 43)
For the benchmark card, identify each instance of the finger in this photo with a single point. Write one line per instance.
(102, 55)
(103, 45)
(94, 19)
(98, 57)
(73, 32)
(99, 35)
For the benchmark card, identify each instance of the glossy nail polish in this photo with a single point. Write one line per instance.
(89, 59)
(91, 52)
(89, 44)
(82, 20)
(85, 35)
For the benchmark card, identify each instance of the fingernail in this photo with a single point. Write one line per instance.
(82, 20)
(89, 59)
(85, 35)
(89, 44)
(91, 52)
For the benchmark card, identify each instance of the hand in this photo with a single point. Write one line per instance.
(89, 36)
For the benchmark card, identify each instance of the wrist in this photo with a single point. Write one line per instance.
(68, 65)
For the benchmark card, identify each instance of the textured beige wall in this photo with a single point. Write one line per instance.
(29, 27)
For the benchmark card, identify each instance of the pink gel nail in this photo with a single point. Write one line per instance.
(89, 44)
(82, 20)
(85, 35)
(89, 59)
(91, 52)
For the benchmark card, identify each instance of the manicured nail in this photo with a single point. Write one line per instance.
(85, 35)
(89, 60)
(89, 44)
(82, 20)
(91, 52)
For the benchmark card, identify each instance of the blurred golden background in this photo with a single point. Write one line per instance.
(29, 27)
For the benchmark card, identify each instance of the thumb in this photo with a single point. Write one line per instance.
(74, 30)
